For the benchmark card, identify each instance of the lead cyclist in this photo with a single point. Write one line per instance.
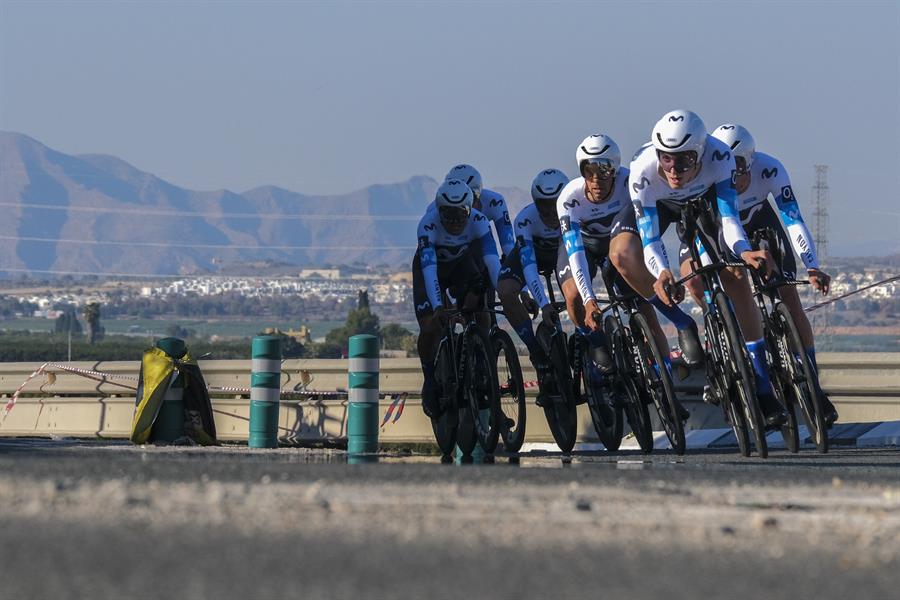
(760, 175)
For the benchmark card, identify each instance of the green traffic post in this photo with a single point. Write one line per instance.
(169, 423)
(362, 418)
(265, 391)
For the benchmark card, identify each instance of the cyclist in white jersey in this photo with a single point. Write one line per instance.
(596, 217)
(683, 162)
(489, 203)
(535, 252)
(759, 176)
(456, 252)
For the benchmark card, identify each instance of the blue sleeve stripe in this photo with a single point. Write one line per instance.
(727, 199)
(572, 241)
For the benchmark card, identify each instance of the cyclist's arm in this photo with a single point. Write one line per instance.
(732, 230)
(489, 254)
(577, 260)
(505, 232)
(648, 226)
(428, 260)
(798, 232)
(530, 270)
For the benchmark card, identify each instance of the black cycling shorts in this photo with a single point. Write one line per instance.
(464, 274)
(761, 216)
(512, 265)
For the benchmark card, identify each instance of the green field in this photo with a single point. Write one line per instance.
(157, 327)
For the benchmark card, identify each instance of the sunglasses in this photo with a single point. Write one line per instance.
(741, 167)
(452, 215)
(680, 162)
(598, 170)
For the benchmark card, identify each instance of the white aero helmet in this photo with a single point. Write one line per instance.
(598, 148)
(453, 193)
(738, 139)
(548, 184)
(468, 175)
(679, 131)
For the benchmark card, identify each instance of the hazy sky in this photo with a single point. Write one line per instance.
(327, 97)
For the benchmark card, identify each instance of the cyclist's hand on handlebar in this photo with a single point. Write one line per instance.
(530, 305)
(592, 315)
(667, 290)
(548, 314)
(820, 280)
(759, 259)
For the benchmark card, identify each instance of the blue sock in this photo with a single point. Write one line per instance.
(526, 334)
(757, 352)
(679, 318)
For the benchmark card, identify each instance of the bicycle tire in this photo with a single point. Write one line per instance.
(610, 434)
(743, 372)
(789, 431)
(627, 380)
(559, 408)
(658, 382)
(480, 387)
(511, 391)
(445, 426)
(720, 379)
(801, 379)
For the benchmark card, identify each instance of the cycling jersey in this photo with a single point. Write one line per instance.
(493, 206)
(586, 224)
(649, 188)
(768, 176)
(437, 245)
(537, 246)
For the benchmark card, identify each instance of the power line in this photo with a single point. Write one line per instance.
(209, 215)
(202, 246)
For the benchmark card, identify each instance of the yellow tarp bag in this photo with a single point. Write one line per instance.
(158, 373)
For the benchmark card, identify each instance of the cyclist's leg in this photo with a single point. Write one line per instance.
(469, 278)
(510, 285)
(597, 341)
(429, 335)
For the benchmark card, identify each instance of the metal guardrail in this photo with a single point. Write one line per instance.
(864, 386)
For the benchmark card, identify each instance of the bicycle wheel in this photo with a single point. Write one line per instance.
(801, 374)
(445, 425)
(719, 379)
(559, 405)
(607, 419)
(789, 431)
(740, 367)
(658, 381)
(480, 387)
(511, 391)
(626, 384)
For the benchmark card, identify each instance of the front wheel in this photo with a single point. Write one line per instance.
(657, 380)
(626, 384)
(560, 394)
(480, 387)
(511, 391)
(801, 372)
(445, 426)
(607, 419)
(739, 367)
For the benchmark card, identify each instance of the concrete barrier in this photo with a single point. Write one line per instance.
(865, 387)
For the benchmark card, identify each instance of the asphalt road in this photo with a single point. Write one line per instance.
(107, 520)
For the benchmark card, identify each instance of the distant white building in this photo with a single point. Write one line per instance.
(320, 274)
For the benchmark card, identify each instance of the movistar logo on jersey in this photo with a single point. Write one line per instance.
(480, 217)
(716, 155)
(769, 173)
(496, 201)
(637, 186)
(524, 224)
(570, 204)
(424, 306)
(430, 227)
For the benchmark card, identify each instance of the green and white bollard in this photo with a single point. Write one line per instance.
(362, 419)
(265, 391)
(169, 423)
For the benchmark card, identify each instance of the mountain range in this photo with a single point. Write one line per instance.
(94, 213)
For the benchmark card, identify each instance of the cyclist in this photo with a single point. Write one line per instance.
(489, 203)
(758, 176)
(683, 162)
(596, 215)
(454, 251)
(535, 252)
